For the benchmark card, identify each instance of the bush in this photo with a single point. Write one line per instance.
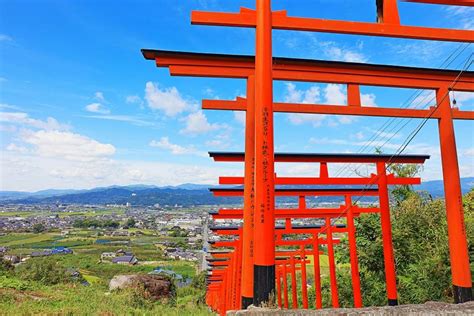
(6, 267)
(44, 270)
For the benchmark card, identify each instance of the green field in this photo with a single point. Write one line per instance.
(21, 297)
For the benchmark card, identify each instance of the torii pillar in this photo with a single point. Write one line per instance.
(264, 225)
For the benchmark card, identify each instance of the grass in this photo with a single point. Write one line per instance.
(11, 240)
(73, 299)
(20, 297)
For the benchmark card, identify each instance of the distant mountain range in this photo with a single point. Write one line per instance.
(185, 194)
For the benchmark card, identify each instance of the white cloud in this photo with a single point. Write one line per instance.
(97, 108)
(334, 52)
(66, 145)
(168, 100)
(15, 148)
(335, 94)
(134, 99)
(123, 118)
(164, 143)
(99, 96)
(368, 99)
(315, 119)
(463, 99)
(197, 123)
(239, 116)
(5, 38)
(23, 119)
(463, 15)
(469, 152)
(310, 96)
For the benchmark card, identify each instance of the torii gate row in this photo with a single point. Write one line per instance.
(301, 211)
(212, 65)
(227, 259)
(264, 20)
(323, 160)
(315, 230)
(301, 253)
(382, 192)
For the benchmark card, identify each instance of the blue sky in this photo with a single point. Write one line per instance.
(81, 107)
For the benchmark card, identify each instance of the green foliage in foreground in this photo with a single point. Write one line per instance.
(421, 252)
(33, 288)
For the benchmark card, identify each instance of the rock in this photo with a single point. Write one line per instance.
(156, 287)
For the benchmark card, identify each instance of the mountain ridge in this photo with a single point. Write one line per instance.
(185, 194)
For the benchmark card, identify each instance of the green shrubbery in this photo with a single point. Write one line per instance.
(44, 270)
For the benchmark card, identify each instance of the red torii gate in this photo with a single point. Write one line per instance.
(315, 241)
(192, 64)
(263, 19)
(382, 180)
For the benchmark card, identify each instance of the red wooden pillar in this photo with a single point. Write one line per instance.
(278, 286)
(332, 264)
(249, 206)
(304, 285)
(264, 232)
(353, 253)
(389, 260)
(294, 285)
(317, 273)
(285, 286)
(459, 255)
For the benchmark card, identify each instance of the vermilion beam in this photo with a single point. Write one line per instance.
(302, 192)
(468, 3)
(242, 66)
(391, 179)
(298, 213)
(247, 18)
(353, 110)
(328, 158)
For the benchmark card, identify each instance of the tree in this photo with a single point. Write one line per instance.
(38, 228)
(130, 223)
(402, 192)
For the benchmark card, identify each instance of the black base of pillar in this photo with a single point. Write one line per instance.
(263, 285)
(246, 302)
(392, 302)
(462, 294)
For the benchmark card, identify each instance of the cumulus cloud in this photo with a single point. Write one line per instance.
(99, 96)
(168, 100)
(197, 123)
(368, 100)
(24, 119)
(66, 145)
(337, 53)
(97, 108)
(134, 99)
(164, 143)
(18, 149)
(239, 116)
